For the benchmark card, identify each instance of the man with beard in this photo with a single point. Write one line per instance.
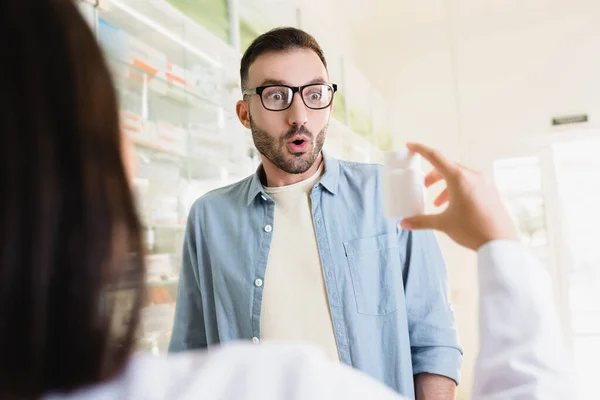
(301, 250)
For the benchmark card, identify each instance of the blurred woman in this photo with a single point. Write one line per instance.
(69, 234)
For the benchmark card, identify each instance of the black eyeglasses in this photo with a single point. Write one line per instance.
(316, 96)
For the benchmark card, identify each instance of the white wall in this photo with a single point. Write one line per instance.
(513, 81)
(481, 80)
(483, 75)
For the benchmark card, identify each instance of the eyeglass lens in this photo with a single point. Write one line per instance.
(316, 96)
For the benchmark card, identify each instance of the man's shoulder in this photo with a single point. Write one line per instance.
(353, 171)
(234, 193)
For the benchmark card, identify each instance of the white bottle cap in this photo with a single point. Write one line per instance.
(403, 158)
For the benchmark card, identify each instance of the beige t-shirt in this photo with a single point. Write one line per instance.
(295, 305)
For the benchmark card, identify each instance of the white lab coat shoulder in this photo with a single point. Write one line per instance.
(238, 372)
(522, 353)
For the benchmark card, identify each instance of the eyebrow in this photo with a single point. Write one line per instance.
(268, 82)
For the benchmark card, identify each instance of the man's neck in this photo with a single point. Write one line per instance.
(277, 178)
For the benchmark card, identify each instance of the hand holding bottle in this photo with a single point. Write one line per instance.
(475, 213)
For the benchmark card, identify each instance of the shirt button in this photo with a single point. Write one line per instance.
(255, 340)
(258, 282)
(268, 228)
(329, 274)
(319, 221)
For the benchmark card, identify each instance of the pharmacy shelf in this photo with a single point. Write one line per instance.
(177, 93)
(176, 227)
(211, 165)
(158, 23)
(164, 282)
(155, 147)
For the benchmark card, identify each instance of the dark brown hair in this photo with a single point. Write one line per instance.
(278, 40)
(69, 233)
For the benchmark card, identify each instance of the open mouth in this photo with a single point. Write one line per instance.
(299, 145)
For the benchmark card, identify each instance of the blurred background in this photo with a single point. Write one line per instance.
(509, 87)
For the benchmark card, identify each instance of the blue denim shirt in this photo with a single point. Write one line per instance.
(387, 288)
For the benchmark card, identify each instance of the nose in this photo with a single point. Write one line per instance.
(296, 114)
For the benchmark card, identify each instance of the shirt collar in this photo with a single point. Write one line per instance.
(331, 177)
(329, 180)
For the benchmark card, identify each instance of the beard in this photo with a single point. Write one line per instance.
(275, 149)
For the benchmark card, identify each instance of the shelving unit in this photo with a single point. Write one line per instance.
(178, 85)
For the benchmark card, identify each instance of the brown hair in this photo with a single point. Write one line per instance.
(278, 40)
(70, 238)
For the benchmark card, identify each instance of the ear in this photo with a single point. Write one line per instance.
(129, 157)
(243, 112)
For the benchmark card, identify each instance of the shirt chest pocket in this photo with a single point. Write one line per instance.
(376, 269)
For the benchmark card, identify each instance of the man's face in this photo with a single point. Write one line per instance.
(293, 138)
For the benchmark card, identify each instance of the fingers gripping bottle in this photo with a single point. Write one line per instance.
(403, 184)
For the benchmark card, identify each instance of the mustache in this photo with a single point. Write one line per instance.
(297, 130)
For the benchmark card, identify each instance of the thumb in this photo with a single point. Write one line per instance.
(423, 221)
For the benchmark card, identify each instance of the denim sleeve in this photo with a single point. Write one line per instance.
(188, 329)
(431, 324)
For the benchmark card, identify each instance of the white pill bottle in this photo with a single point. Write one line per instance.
(403, 184)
